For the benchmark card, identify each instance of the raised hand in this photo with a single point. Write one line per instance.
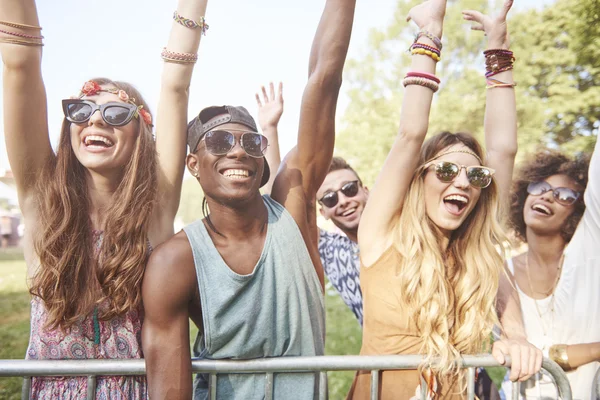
(495, 28)
(271, 106)
(429, 16)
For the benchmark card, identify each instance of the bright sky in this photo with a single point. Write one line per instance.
(249, 43)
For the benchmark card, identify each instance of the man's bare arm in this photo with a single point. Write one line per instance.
(168, 287)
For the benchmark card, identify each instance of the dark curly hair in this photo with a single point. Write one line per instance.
(540, 167)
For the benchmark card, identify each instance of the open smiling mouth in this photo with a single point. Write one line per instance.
(541, 209)
(456, 203)
(348, 212)
(236, 174)
(97, 141)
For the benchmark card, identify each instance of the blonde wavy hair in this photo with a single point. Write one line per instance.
(451, 292)
(71, 279)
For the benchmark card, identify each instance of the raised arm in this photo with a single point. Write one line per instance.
(25, 108)
(501, 108)
(387, 196)
(306, 165)
(270, 109)
(167, 290)
(172, 117)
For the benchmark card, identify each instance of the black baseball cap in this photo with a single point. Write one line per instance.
(211, 117)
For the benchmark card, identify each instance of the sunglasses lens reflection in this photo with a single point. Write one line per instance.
(446, 171)
(116, 115)
(566, 196)
(254, 144)
(79, 112)
(330, 199)
(219, 142)
(538, 188)
(479, 177)
(350, 189)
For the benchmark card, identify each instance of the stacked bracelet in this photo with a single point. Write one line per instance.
(421, 81)
(416, 74)
(495, 83)
(179, 58)
(20, 26)
(23, 35)
(22, 42)
(430, 36)
(190, 23)
(419, 45)
(424, 52)
(498, 60)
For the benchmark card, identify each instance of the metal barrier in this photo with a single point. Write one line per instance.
(268, 366)
(596, 386)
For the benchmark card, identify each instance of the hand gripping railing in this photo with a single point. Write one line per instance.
(268, 366)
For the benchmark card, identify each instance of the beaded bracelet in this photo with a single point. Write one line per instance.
(22, 42)
(190, 23)
(430, 36)
(418, 45)
(23, 35)
(19, 26)
(492, 73)
(182, 58)
(423, 75)
(428, 83)
(424, 52)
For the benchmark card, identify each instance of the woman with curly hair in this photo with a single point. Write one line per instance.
(94, 209)
(429, 234)
(556, 211)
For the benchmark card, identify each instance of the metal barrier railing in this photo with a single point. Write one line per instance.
(268, 366)
(596, 386)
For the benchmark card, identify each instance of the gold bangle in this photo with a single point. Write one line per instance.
(558, 354)
(21, 42)
(19, 26)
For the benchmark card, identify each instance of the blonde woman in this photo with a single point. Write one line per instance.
(428, 239)
(94, 209)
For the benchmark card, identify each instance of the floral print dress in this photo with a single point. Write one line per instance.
(118, 338)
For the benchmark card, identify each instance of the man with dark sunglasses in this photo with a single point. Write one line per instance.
(248, 274)
(342, 199)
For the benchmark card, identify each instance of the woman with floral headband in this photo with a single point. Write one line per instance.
(428, 236)
(94, 210)
(556, 211)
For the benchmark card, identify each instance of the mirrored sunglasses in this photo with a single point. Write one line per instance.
(220, 142)
(478, 176)
(562, 195)
(330, 199)
(114, 113)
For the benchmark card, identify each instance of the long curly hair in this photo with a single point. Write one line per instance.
(450, 292)
(540, 167)
(72, 279)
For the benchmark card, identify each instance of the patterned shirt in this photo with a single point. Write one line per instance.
(339, 256)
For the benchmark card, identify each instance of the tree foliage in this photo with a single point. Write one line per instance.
(558, 96)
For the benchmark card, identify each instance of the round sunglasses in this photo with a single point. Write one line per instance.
(220, 142)
(562, 195)
(113, 113)
(478, 176)
(330, 199)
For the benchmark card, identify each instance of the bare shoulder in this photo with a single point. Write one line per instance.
(171, 267)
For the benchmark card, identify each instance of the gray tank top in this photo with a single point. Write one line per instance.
(277, 310)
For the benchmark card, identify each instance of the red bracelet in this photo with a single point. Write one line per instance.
(425, 75)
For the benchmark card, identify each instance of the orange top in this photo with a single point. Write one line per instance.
(388, 330)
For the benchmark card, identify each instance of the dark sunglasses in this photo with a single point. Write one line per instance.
(562, 195)
(114, 113)
(330, 199)
(447, 171)
(220, 142)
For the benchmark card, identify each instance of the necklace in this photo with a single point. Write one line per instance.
(547, 340)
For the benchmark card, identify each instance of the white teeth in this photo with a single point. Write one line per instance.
(236, 173)
(457, 197)
(94, 138)
(348, 212)
(541, 208)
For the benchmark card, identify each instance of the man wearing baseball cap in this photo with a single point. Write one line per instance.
(248, 274)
